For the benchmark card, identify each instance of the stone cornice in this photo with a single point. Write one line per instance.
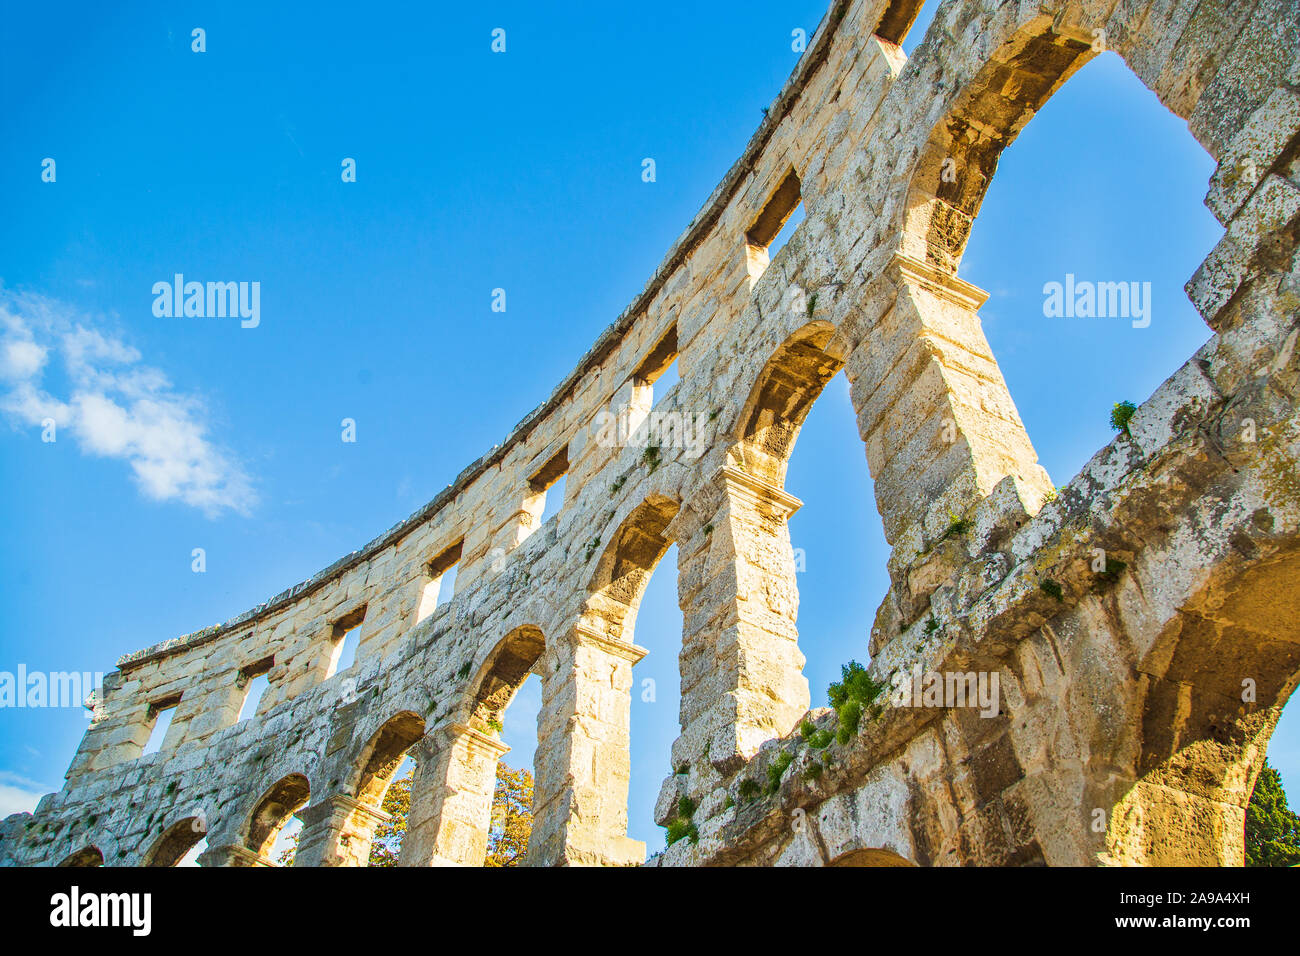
(589, 637)
(941, 283)
(476, 741)
(756, 491)
(341, 805)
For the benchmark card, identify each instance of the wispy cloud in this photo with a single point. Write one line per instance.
(113, 405)
(18, 794)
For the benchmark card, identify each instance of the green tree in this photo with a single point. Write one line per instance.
(512, 817)
(388, 836)
(512, 821)
(1272, 830)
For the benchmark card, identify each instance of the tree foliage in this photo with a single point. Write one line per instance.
(512, 817)
(388, 836)
(1272, 829)
(512, 821)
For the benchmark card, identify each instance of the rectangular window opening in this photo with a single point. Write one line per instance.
(774, 225)
(160, 715)
(439, 580)
(346, 634)
(255, 679)
(549, 483)
(659, 369)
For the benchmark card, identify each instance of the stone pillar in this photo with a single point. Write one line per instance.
(742, 670)
(583, 765)
(338, 831)
(451, 798)
(939, 424)
(232, 854)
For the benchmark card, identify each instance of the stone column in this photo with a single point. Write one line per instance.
(232, 854)
(338, 831)
(583, 764)
(451, 798)
(939, 424)
(742, 670)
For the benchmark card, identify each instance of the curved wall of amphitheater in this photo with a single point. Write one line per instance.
(1121, 734)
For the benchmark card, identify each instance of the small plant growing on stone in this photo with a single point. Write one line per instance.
(682, 769)
(807, 728)
(618, 483)
(651, 457)
(495, 725)
(708, 528)
(681, 825)
(812, 771)
(1114, 568)
(1120, 416)
(956, 526)
(679, 829)
(592, 545)
(1048, 586)
(931, 625)
(748, 789)
(714, 414)
(850, 717)
(728, 803)
(464, 670)
(854, 692)
(812, 304)
(776, 770)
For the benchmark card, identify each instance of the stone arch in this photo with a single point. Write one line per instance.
(502, 674)
(383, 754)
(177, 840)
(86, 856)
(781, 398)
(1201, 745)
(957, 162)
(1030, 60)
(273, 810)
(625, 566)
(753, 687)
(455, 775)
(870, 857)
(583, 758)
(339, 829)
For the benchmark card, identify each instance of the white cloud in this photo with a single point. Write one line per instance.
(113, 405)
(18, 794)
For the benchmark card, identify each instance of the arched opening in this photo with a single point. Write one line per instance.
(782, 398)
(177, 843)
(387, 769)
(384, 753)
(873, 857)
(656, 699)
(505, 707)
(624, 569)
(1122, 238)
(1216, 683)
(1086, 238)
(838, 552)
(502, 675)
(86, 856)
(272, 813)
(510, 684)
(581, 799)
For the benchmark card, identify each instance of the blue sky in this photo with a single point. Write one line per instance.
(474, 171)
